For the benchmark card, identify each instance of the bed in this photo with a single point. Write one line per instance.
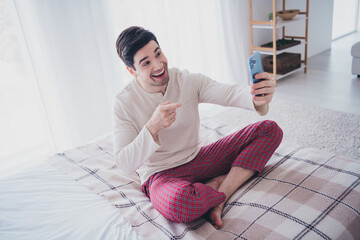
(303, 193)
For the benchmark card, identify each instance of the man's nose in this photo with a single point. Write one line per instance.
(158, 65)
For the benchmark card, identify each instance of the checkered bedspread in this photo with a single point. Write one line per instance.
(302, 193)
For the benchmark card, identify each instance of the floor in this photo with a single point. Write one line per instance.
(328, 82)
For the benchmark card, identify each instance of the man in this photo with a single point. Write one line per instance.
(156, 133)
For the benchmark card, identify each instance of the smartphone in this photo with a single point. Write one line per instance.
(255, 67)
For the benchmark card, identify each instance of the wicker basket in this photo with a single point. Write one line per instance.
(285, 62)
(288, 14)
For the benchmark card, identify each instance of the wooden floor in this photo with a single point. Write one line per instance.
(328, 82)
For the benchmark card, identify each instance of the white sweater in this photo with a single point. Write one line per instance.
(135, 148)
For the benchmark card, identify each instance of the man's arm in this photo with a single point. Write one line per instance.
(236, 95)
(132, 149)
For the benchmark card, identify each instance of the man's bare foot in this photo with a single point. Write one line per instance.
(215, 216)
(215, 182)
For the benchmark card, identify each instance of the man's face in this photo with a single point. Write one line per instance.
(151, 68)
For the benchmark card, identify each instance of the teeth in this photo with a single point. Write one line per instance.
(159, 73)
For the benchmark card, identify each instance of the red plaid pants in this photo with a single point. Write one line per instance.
(180, 194)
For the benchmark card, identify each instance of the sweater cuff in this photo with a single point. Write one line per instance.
(149, 138)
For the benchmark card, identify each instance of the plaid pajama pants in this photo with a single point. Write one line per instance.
(180, 194)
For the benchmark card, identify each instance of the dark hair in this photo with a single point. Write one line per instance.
(130, 41)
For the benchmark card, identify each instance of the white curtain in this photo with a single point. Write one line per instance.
(75, 65)
(236, 38)
(72, 49)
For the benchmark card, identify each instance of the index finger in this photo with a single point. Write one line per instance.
(171, 106)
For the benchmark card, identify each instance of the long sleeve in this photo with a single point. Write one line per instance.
(131, 148)
(210, 91)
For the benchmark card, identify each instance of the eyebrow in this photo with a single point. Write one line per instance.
(147, 56)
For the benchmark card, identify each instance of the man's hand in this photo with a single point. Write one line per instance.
(163, 116)
(265, 89)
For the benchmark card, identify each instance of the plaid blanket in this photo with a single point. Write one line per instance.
(302, 193)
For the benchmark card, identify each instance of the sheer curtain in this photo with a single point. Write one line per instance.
(235, 38)
(75, 65)
(71, 45)
(23, 125)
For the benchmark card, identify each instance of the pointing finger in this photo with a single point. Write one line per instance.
(170, 106)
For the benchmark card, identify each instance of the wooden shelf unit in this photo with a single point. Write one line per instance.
(274, 25)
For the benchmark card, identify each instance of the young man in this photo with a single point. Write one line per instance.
(156, 133)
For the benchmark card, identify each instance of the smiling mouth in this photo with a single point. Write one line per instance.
(159, 75)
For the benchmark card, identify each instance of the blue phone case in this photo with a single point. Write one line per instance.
(255, 67)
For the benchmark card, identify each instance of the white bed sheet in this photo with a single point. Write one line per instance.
(43, 203)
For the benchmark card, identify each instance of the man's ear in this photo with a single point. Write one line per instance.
(131, 71)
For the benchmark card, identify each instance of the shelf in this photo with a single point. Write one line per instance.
(270, 51)
(275, 26)
(279, 22)
(280, 76)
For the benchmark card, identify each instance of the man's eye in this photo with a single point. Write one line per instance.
(146, 63)
(158, 54)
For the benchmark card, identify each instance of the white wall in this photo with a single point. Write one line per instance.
(320, 26)
(344, 17)
(320, 23)
(358, 22)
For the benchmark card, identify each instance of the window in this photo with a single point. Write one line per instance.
(345, 17)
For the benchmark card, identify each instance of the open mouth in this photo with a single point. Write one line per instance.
(160, 74)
